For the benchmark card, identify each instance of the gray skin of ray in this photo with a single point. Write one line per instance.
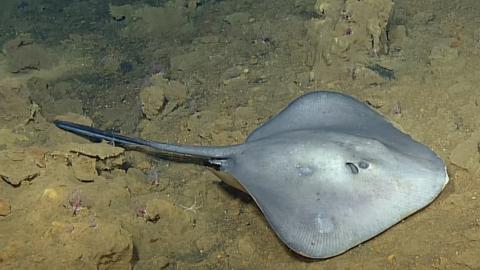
(327, 172)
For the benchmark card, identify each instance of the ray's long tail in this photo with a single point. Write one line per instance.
(208, 156)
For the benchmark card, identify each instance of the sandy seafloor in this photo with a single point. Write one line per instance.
(208, 73)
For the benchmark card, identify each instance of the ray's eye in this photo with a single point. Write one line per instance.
(363, 165)
(352, 167)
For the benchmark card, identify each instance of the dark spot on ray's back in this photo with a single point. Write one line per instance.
(352, 167)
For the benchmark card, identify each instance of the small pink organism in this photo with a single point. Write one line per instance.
(141, 212)
(76, 201)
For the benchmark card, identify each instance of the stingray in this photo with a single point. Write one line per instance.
(328, 172)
